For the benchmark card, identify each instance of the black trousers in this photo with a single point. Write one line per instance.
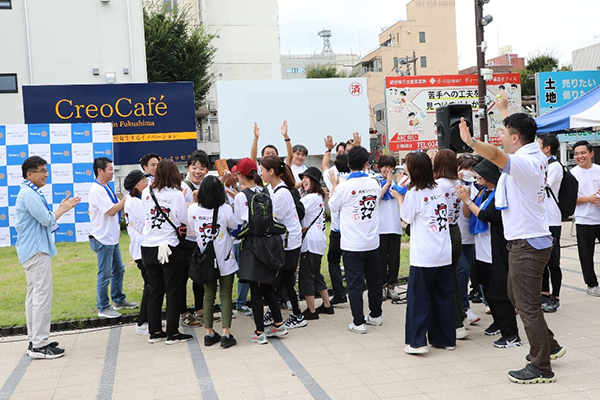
(586, 242)
(164, 279)
(334, 254)
(188, 250)
(389, 255)
(287, 278)
(267, 292)
(143, 317)
(456, 240)
(504, 315)
(361, 266)
(552, 272)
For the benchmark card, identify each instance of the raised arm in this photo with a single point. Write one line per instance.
(254, 148)
(288, 143)
(485, 150)
(502, 103)
(327, 156)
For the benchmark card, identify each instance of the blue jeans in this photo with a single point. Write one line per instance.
(242, 288)
(110, 270)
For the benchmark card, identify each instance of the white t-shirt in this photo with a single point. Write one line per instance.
(426, 211)
(357, 200)
(555, 175)
(448, 187)
(298, 169)
(134, 217)
(525, 217)
(284, 212)
(200, 221)
(589, 183)
(483, 246)
(335, 217)
(188, 195)
(315, 240)
(463, 222)
(105, 228)
(157, 229)
(389, 217)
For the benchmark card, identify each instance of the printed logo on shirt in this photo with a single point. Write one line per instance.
(205, 232)
(158, 217)
(440, 218)
(367, 206)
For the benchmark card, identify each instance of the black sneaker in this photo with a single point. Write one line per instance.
(227, 342)
(530, 374)
(554, 354)
(477, 298)
(492, 330)
(179, 338)
(325, 310)
(310, 315)
(157, 337)
(46, 352)
(338, 299)
(506, 342)
(545, 299)
(210, 340)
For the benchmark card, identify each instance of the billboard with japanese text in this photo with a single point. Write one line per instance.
(411, 102)
(146, 117)
(555, 89)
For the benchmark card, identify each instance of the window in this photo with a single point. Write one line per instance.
(294, 71)
(8, 83)
(5, 4)
(423, 62)
(421, 37)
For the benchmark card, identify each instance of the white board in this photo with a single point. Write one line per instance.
(314, 108)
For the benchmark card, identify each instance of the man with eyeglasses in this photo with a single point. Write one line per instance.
(35, 248)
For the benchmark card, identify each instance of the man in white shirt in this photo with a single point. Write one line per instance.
(551, 300)
(520, 195)
(149, 162)
(357, 201)
(587, 211)
(105, 216)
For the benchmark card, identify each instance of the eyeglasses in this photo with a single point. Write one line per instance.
(43, 171)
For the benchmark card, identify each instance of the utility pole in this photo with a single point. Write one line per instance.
(483, 122)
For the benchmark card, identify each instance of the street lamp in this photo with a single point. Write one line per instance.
(482, 73)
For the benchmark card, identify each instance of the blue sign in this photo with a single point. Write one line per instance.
(555, 89)
(146, 117)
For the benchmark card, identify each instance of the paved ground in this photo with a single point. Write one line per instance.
(321, 361)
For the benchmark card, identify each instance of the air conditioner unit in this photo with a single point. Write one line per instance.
(212, 106)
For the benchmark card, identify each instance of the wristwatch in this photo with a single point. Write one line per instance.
(328, 151)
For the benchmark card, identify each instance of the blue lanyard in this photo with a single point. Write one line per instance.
(357, 174)
(38, 191)
(111, 194)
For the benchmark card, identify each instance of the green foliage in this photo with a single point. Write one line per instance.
(544, 61)
(320, 71)
(176, 49)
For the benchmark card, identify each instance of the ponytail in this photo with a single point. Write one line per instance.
(256, 177)
(287, 176)
(281, 169)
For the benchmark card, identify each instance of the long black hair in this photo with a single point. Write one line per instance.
(420, 171)
(211, 193)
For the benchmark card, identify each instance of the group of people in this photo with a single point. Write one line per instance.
(488, 218)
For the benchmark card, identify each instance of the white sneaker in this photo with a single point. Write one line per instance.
(357, 329)
(461, 333)
(373, 321)
(416, 350)
(142, 329)
(471, 318)
(594, 291)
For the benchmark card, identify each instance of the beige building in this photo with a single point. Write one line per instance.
(429, 31)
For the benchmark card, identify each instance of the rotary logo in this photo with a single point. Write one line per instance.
(108, 152)
(67, 192)
(69, 233)
(1, 135)
(66, 153)
(86, 133)
(88, 172)
(2, 217)
(44, 133)
(22, 154)
(2, 176)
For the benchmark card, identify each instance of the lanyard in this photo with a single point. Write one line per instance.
(36, 189)
(111, 194)
(357, 174)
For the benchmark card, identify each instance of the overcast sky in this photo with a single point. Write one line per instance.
(530, 26)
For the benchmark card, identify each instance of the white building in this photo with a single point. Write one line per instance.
(293, 66)
(587, 58)
(67, 42)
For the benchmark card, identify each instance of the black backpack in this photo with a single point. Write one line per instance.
(567, 194)
(296, 196)
(260, 216)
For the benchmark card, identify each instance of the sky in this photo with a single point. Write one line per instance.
(530, 26)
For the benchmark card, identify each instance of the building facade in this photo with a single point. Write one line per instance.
(293, 66)
(587, 58)
(67, 42)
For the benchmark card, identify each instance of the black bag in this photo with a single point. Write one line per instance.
(180, 230)
(567, 194)
(260, 216)
(296, 196)
(204, 268)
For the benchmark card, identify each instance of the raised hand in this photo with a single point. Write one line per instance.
(329, 142)
(284, 129)
(256, 131)
(356, 139)
(465, 134)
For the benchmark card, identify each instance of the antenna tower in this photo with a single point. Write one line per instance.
(326, 34)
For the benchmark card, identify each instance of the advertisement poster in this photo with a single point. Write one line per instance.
(69, 150)
(411, 102)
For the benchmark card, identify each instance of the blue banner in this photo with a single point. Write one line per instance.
(555, 89)
(146, 117)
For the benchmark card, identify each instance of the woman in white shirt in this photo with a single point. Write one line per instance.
(211, 196)
(161, 251)
(310, 279)
(430, 304)
(281, 184)
(135, 183)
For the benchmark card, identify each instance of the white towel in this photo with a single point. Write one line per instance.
(501, 200)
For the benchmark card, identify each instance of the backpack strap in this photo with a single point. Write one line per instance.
(190, 184)
(549, 191)
(312, 223)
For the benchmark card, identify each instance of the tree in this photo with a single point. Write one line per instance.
(176, 49)
(538, 62)
(319, 71)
